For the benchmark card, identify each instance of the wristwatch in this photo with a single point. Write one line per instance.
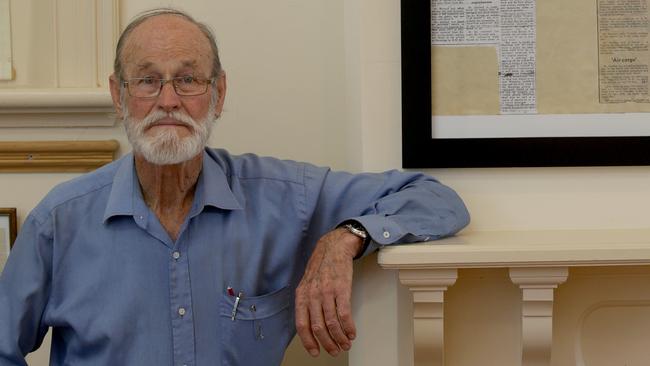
(357, 229)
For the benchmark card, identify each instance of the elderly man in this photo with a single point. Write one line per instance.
(178, 254)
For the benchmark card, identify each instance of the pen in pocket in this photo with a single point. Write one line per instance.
(231, 292)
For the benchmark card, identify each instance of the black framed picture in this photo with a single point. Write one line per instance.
(421, 148)
(7, 228)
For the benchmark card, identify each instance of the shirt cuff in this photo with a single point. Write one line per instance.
(381, 231)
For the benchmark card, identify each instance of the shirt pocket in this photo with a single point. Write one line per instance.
(261, 330)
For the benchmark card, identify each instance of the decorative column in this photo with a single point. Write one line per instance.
(428, 287)
(537, 311)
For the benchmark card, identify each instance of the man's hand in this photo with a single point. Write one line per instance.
(323, 311)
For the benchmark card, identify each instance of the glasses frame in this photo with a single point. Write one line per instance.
(208, 82)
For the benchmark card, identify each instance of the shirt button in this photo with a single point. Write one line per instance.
(386, 234)
(176, 255)
(181, 311)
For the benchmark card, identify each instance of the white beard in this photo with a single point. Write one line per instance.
(166, 146)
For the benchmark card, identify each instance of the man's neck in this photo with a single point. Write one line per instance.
(168, 190)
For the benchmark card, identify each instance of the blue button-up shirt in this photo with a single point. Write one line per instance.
(94, 263)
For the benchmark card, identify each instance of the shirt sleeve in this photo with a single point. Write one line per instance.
(24, 292)
(394, 206)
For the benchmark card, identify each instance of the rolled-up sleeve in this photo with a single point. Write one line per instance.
(394, 206)
(25, 285)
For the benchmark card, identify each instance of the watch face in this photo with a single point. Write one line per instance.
(357, 230)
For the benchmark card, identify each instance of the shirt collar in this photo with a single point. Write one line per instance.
(212, 189)
(120, 200)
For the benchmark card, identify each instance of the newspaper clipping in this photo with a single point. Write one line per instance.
(508, 25)
(623, 51)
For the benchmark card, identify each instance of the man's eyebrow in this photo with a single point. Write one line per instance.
(186, 63)
(189, 63)
(144, 65)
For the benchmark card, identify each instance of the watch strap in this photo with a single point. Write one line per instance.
(354, 227)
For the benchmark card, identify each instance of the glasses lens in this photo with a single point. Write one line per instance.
(188, 85)
(144, 87)
(150, 87)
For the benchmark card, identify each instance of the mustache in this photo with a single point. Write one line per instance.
(181, 118)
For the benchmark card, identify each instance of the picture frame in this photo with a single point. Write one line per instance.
(421, 150)
(8, 231)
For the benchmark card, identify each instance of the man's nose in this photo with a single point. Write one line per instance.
(168, 100)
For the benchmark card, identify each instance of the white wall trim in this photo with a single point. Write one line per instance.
(56, 107)
(86, 33)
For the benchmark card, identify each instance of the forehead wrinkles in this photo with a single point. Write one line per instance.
(165, 38)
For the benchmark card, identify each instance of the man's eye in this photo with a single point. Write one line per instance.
(187, 79)
(147, 81)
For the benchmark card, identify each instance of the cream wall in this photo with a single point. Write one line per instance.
(320, 81)
(498, 199)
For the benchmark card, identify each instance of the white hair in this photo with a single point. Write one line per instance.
(166, 146)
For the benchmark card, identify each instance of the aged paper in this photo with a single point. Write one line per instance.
(463, 22)
(568, 73)
(567, 64)
(517, 54)
(454, 93)
(506, 25)
(567, 52)
(623, 51)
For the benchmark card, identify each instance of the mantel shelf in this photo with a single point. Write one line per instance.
(43, 107)
(538, 262)
(546, 248)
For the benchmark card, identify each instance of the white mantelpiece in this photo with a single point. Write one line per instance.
(538, 262)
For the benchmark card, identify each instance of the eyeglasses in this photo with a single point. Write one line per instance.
(150, 87)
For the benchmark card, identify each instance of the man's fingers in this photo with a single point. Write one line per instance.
(344, 311)
(334, 325)
(303, 327)
(320, 330)
(323, 311)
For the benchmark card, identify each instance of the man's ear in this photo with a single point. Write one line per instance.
(220, 84)
(114, 84)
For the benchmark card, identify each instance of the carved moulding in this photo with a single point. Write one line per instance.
(428, 287)
(537, 285)
(55, 156)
